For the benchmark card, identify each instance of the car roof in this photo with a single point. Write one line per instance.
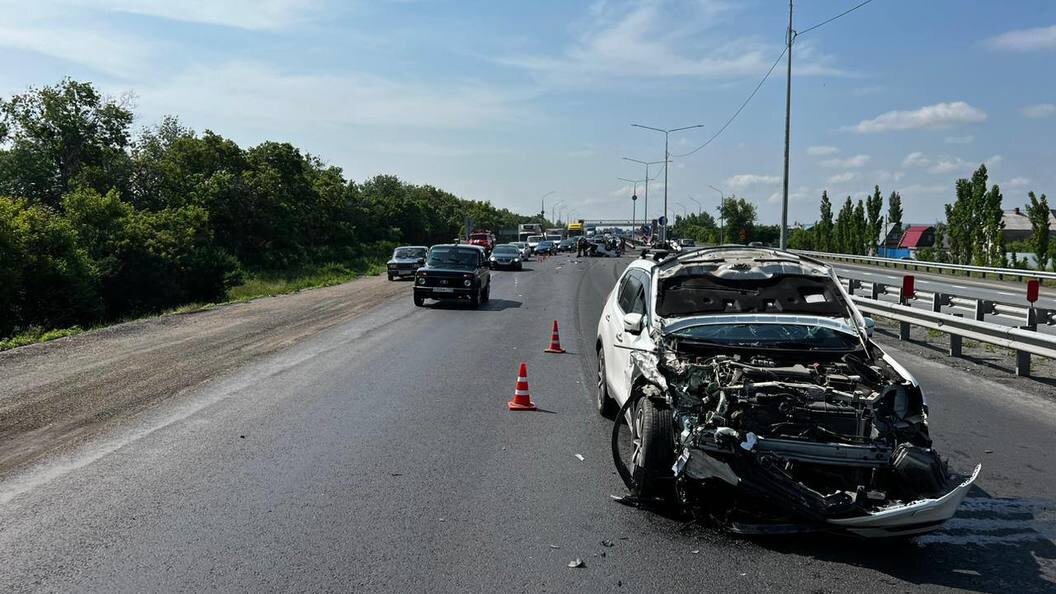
(739, 259)
(466, 246)
(411, 247)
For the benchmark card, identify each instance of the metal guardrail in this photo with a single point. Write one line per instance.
(977, 308)
(982, 271)
(1025, 340)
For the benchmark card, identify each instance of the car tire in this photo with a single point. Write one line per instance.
(487, 294)
(602, 401)
(390, 278)
(419, 301)
(520, 267)
(475, 300)
(654, 428)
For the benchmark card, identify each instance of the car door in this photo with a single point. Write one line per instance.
(629, 299)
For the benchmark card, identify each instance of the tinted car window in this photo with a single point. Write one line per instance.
(629, 289)
(452, 257)
(507, 249)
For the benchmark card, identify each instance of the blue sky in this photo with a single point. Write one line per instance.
(505, 101)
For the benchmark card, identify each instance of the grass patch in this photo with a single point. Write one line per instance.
(35, 335)
(270, 283)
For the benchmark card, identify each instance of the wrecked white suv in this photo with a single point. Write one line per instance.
(755, 397)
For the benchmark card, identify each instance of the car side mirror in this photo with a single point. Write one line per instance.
(870, 326)
(632, 323)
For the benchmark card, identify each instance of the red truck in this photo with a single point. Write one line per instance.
(485, 239)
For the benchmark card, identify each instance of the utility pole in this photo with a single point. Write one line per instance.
(722, 217)
(788, 113)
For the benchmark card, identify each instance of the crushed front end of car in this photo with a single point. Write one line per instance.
(770, 438)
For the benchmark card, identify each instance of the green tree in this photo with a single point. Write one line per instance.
(1039, 213)
(823, 231)
(894, 211)
(740, 216)
(874, 206)
(974, 222)
(62, 136)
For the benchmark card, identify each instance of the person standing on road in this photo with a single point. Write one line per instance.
(581, 246)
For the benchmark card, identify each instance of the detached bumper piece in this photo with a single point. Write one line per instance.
(782, 504)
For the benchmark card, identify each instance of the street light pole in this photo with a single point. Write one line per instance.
(722, 218)
(542, 203)
(634, 200)
(553, 212)
(645, 216)
(700, 207)
(667, 158)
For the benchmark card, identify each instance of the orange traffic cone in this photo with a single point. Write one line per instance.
(555, 341)
(522, 400)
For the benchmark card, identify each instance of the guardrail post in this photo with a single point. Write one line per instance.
(1023, 357)
(980, 310)
(853, 284)
(903, 299)
(875, 290)
(955, 341)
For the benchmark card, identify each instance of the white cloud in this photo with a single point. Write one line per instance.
(748, 179)
(965, 139)
(950, 164)
(916, 159)
(659, 39)
(1041, 110)
(844, 177)
(821, 151)
(242, 14)
(929, 117)
(261, 96)
(850, 162)
(1016, 182)
(799, 194)
(106, 51)
(910, 190)
(1025, 40)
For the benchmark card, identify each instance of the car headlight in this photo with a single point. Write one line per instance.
(493, 258)
(516, 259)
(421, 280)
(467, 282)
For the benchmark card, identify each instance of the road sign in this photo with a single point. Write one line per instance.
(634, 196)
(662, 221)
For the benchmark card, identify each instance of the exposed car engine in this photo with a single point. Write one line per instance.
(811, 436)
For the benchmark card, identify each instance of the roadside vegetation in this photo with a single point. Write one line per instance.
(972, 234)
(100, 223)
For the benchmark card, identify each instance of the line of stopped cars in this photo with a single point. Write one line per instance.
(459, 271)
(747, 390)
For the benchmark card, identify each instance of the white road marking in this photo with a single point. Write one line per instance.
(958, 287)
(1006, 293)
(985, 521)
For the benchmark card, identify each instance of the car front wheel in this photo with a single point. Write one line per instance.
(602, 401)
(654, 450)
(419, 301)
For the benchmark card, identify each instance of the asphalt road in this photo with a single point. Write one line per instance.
(378, 455)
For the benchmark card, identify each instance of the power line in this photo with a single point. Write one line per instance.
(739, 109)
(829, 20)
(767, 75)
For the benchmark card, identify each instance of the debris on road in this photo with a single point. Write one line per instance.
(607, 543)
(580, 456)
(555, 546)
(576, 563)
